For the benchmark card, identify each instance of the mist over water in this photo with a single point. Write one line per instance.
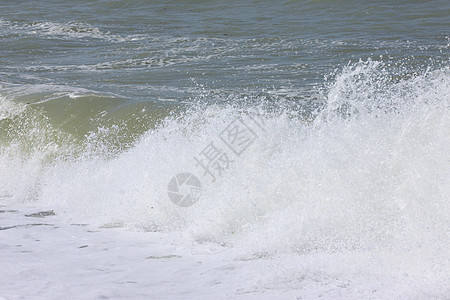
(103, 103)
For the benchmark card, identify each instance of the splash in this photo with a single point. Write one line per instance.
(370, 171)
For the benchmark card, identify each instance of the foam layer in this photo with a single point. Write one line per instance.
(370, 170)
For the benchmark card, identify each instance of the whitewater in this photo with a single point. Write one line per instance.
(224, 149)
(349, 201)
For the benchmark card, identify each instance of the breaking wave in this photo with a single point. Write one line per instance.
(369, 169)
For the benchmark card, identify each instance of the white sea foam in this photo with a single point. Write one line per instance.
(70, 30)
(369, 175)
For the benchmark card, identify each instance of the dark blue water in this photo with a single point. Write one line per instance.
(153, 51)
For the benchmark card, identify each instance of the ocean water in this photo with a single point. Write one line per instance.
(315, 134)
